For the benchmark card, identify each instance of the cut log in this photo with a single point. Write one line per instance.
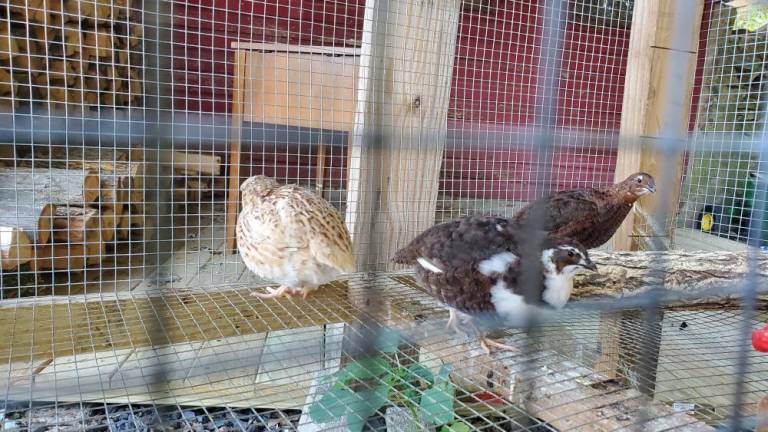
(75, 154)
(73, 224)
(79, 9)
(59, 257)
(58, 186)
(137, 34)
(29, 214)
(15, 247)
(623, 274)
(6, 83)
(98, 43)
(72, 39)
(196, 163)
(109, 222)
(8, 45)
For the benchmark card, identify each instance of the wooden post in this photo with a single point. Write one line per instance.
(664, 37)
(403, 89)
(233, 189)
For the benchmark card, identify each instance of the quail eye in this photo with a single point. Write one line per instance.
(570, 253)
(639, 180)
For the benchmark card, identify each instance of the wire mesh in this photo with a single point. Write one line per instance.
(129, 127)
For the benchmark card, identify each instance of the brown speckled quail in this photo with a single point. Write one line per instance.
(588, 215)
(291, 236)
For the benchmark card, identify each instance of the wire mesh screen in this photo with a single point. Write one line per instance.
(130, 250)
(723, 163)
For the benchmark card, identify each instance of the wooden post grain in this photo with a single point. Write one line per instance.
(233, 190)
(664, 36)
(400, 124)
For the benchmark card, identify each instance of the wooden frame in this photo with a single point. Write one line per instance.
(663, 48)
(400, 125)
(296, 85)
(658, 86)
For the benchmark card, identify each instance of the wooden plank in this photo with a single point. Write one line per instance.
(665, 36)
(298, 49)
(405, 98)
(219, 372)
(70, 327)
(303, 90)
(233, 189)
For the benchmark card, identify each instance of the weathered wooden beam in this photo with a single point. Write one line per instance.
(623, 274)
(400, 124)
(663, 47)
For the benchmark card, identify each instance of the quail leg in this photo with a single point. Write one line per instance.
(283, 291)
(486, 343)
(454, 323)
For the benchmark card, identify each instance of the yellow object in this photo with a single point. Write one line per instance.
(706, 222)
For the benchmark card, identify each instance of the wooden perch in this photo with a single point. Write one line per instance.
(58, 186)
(622, 274)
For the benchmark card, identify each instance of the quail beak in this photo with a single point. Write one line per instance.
(589, 265)
(651, 189)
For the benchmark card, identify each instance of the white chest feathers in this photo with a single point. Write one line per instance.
(557, 289)
(510, 306)
(498, 263)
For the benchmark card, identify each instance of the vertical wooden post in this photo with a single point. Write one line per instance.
(233, 188)
(663, 48)
(400, 124)
(664, 37)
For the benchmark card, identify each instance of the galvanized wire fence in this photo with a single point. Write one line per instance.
(129, 127)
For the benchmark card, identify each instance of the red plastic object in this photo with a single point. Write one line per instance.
(760, 339)
(489, 398)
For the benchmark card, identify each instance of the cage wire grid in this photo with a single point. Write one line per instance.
(156, 327)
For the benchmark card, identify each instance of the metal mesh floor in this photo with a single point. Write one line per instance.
(113, 357)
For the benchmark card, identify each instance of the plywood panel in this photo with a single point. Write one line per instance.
(297, 89)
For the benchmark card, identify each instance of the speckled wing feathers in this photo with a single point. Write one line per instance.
(457, 248)
(313, 219)
(591, 216)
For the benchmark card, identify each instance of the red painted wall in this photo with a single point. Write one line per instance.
(493, 82)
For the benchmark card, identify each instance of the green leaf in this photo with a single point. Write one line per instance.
(418, 371)
(444, 373)
(363, 369)
(365, 405)
(458, 426)
(331, 405)
(387, 340)
(437, 404)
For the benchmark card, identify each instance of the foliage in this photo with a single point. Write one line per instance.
(362, 387)
(751, 18)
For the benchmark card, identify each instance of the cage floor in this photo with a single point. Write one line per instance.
(222, 347)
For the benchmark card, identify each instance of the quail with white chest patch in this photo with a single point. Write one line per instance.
(473, 265)
(292, 236)
(589, 215)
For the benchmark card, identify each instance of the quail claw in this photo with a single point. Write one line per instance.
(273, 293)
(486, 343)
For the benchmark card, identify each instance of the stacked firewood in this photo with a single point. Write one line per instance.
(61, 207)
(73, 53)
(196, 178)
